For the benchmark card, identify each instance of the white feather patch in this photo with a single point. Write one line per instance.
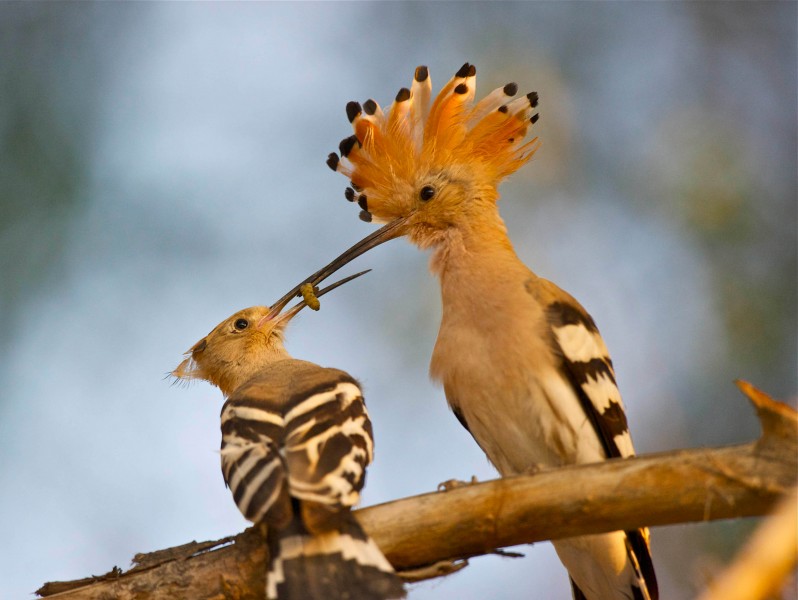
(349, 391)
(334, 487)
(600, 564)
(230, 456)
(601, 392)
(624, 443)
(233, 448)
(348, 428)
(254, 485)
(579, 344)
(251, 414)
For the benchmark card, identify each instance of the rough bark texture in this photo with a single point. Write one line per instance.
(674, 487)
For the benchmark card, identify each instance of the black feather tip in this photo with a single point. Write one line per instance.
(332, 161)
(369, 107)
(346, 145)
(352, 110)
(403, 95)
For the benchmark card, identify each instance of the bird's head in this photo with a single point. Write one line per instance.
(435, 165)
(250, 339)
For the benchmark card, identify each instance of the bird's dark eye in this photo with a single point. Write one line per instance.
(241, 324)
(426, 193)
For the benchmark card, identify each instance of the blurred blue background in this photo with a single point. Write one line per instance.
(162, 165)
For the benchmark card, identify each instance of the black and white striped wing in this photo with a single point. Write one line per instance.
(300, 432)
(328, 442)
(587, 365)
(252, 464)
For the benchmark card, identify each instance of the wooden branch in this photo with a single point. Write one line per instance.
(661, 489)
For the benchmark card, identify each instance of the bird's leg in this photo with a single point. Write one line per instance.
(438, 569)
(534, 469)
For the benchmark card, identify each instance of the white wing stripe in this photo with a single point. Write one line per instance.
(259, 452)
(624, 443)
(579, 344)
(601, 392)
(251, 414)
(348, 428)
(349, 391)
(254, 485)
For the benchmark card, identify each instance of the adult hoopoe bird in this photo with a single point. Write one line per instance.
(523, 365)
(296, 440)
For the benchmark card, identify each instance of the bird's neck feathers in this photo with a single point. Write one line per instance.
(478, 268)
(230, 372)
(477, 241)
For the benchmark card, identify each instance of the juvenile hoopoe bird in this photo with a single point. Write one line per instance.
(522, 363)
(296, 440)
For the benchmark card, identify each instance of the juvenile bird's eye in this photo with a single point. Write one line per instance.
(241, 324)
(426, 193)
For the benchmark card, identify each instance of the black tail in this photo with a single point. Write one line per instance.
(340, 564)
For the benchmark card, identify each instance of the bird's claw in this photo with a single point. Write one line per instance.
(453, 484)
(438, 569)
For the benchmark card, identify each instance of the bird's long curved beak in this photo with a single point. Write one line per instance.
(385, 233)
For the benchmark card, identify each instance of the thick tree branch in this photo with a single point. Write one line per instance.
(661, 489)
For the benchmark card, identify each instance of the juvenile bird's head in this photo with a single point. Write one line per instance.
(249, 340)
(235, 349)
(435, 165)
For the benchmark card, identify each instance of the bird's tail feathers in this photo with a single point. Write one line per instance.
(614, 565)
(341, 563)
(639, 549)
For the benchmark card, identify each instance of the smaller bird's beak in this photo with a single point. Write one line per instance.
(385, 233)
(291, 313)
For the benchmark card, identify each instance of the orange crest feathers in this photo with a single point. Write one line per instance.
(389, 149)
